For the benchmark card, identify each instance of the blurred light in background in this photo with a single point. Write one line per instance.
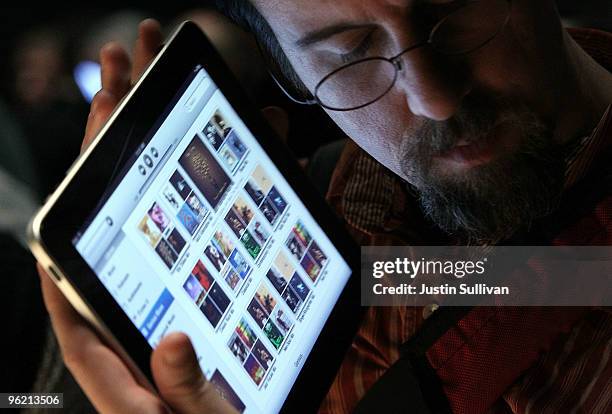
(88, 79)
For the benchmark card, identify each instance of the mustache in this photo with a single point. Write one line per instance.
(475, 120)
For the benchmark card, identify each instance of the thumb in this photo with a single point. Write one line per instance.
(180, 381)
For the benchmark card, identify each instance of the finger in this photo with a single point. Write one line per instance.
(180, 380)
(279, 120)
(102, 106)
(102, 375)
(116, 69)
(147, 45)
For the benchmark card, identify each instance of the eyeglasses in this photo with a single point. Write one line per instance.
(467, 28)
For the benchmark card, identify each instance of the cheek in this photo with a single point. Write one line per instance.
(377, 129)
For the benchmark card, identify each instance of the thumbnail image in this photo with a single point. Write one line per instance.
(259, 230)
(257, 312)
(149, 230)
(277, 280)
(224, 243)
(159, 217)
(299, 286)
(317, 254)
(228, 158)
(235, 223)
(236, 144)
(261, 179)
(265, 298)
(197, 206)
(238, 349)
(292, 300)
(205, 172)
(167, 254)
(219, 297)
(250, 244)
(180, 185)
(278, 201)
(216, 130)
(268, 211)
(273, 334)
(213, 135)
(254, 191)
(172, 197)
(221, 123)
(176, 241)
(188, 219)
(210, 310)
(245, 333)
(282, 321)
(232, 279)
(243, 211)
(283, 265)
(226, 391)
(295, 247)
(311, 267)
(255, 370)
(202, 275)
(239, 264)
(214, 255)
(262, 354)
(193, 288)
(302, 234)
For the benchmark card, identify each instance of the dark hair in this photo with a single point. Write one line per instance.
(246, 15)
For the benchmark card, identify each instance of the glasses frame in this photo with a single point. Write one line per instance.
(394, 60)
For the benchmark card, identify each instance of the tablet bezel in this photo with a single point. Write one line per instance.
(60, 219)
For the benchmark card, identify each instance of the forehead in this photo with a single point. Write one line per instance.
(291, 19)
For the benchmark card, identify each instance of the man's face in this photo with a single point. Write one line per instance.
(476, 133)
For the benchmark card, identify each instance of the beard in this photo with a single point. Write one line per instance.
(487, 203)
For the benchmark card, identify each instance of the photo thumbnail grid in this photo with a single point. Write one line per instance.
(306, 251)
(162, 235)
(196, 190)
(224, 140)
(206, 293)
(226, 259)
(272, 320)
(287, 282)
(248, 226)
(265, 195)
(250, 352)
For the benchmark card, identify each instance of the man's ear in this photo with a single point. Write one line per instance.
(279, 120)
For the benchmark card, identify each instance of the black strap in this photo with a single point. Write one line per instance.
(411, 385)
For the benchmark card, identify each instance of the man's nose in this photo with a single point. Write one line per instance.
(434, 84)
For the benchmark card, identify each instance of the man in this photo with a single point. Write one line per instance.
(489, 115)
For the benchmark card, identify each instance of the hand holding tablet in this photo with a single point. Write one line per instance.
(199, 224)
(104, 377)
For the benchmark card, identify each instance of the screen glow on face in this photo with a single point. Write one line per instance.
(204, 235)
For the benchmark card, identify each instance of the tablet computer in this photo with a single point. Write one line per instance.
(188, 214)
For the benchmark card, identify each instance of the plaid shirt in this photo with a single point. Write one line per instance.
(495, 360)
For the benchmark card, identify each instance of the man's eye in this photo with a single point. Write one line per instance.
(360, 51)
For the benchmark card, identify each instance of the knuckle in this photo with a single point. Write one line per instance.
(72, 357)
(95, 102)
(145, 404)
(156, 408)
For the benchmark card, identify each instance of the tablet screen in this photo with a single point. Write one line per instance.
(202, 234)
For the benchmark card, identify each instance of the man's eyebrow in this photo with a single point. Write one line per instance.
(327, 32)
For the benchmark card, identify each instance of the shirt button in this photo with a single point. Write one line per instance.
(429, 310)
